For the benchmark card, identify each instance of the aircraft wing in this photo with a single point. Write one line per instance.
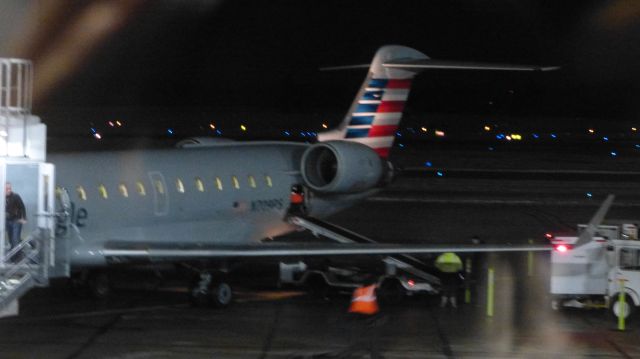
(138, 251)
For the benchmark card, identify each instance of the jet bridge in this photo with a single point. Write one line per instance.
(22, 164)
(402, 262)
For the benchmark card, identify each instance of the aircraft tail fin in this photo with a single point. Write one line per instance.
(375, 113)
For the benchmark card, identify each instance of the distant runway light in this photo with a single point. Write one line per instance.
(636, 146)
(634, 129)
(508, 138)
(212, 126)
(401, 145)
(491, 148)
(487, 128)
(398, 134)
(243, 127)
(439, 174)
(324, 125)
(589, 194)
(118, 123)
(439, 133)
(535, 135)
(219, 132)
(170, 131)
(591, 131)
(97, 136)
(613, 153)
(302, 134)
(605, 138)
(286, 133)
(428, 164)
(553, 135)
(111, 123)
(93, 130)
(423, 129)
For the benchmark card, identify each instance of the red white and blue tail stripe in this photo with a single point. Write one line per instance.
(376, 112)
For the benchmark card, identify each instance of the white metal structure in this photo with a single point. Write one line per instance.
(22, 156)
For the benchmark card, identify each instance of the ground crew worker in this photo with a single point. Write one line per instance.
(365, 311)
(296, 200)
(451, 278)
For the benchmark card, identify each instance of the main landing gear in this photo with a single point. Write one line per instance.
(210, 289)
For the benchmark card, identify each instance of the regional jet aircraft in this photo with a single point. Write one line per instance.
(209, 201)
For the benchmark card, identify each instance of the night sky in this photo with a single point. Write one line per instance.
(181, 65)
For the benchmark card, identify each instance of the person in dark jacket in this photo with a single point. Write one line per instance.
(15, 215)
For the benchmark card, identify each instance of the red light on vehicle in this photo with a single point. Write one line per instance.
(411, 282)
(562, 248)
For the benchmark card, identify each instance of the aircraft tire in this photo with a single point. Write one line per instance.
(617, 307)
(199, 294)
(318, 286)
(391, 292)
(99, 285)
(221, 294)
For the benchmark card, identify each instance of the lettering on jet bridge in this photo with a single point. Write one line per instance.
(262, 205)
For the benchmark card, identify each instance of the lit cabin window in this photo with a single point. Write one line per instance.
(123, 190)
(179, 185)
(103, 191)
(159, 186)
(218, 183)
(267, 179)
(236, 183)
(82, 194)
(140, 189)
(199, 184)
(252, 181)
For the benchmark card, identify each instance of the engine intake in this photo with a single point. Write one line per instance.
(342, 167)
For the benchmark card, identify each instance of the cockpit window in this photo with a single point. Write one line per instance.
(252, 181)
(123, 190)
(82, 194)
(267, 179)
(219, 184)
(179, 185)
(236, 183)
(103, 191)
(140, 188)
(199, 184)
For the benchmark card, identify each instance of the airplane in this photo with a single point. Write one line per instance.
(210, 201)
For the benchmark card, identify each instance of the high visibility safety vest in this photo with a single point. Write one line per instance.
(297, 198)
(364, 300)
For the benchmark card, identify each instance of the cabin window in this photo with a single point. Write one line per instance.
(267, 179)
(629, 259)
(159, 186)
(179, 185)
(140, 188)
(236, 183)
(123, 190)
(82, 194)
(218, 183)
(252, 181)
(199, 184)
(103, 191)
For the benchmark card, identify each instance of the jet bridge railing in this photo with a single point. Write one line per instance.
(24, 266)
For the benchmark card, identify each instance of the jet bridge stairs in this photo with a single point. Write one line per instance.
(24, 267)
(394, 264)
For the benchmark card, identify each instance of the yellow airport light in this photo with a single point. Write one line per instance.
(243, 127)
(487, 128)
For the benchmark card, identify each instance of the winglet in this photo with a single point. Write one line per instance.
(587, 235)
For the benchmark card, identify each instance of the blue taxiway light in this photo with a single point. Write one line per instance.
(428, 164)
(589, 194)
(439, 174)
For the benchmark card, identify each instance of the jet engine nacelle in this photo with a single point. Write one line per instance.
(342, 167)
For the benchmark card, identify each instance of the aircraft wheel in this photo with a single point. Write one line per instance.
(199, 290)
(221, 294)
(618, 307)
(99, 285)
(318, 286)
(391, 292)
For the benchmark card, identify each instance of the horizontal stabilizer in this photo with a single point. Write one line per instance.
(422, 64)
